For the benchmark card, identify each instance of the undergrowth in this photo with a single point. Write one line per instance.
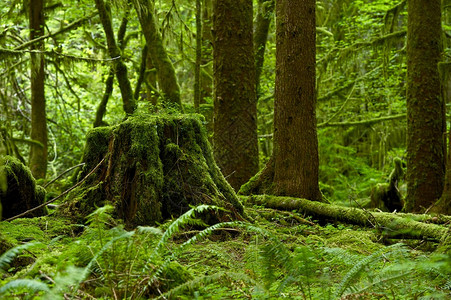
(279, 256)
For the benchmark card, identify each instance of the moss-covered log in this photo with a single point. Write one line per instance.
(19, 191)
(391, 224)
(157, 167)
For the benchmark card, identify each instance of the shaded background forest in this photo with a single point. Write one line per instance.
(361, 71)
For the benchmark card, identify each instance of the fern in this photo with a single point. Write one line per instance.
(356, 271)
(205, 280)
(9, 255)
(28, 284)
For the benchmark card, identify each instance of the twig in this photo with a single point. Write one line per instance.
(61, 195)
(60, 175)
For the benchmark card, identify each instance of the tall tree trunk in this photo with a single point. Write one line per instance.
(38, 153)
(293, 167)
(263, 20)
(167, 80)
(425, 107)
(197, 94)
(296, 162)
(206, 80)
(115, 53)
(235, 109)
(444, 205)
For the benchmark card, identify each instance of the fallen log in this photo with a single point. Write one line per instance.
(390, 224)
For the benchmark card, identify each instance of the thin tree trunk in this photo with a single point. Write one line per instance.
(197, 94)
(38, 153)
(101, 108)
(167, 79)
(206, 79)
(263, 20)
(235, 108)
(115, 53)
(425, 107)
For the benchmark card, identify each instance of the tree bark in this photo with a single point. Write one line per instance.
(235, 108)
(444, 205)
(167, 79)
(115, 53)
(425, 107)
(294, 165)
(38, 154)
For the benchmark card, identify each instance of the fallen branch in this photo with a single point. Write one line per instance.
(62, 174)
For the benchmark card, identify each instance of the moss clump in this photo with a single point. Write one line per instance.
(21, 193)
(156, 167)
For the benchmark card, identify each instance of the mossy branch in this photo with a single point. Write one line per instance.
(69, 27)
(363, 122)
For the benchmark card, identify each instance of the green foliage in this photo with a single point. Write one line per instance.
(266, 260)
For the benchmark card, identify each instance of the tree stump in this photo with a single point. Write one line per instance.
(18, 189)
(156, 167)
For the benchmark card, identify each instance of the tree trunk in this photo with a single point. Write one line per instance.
(235, 108)
(264, 17)
(206, 79)
(293, 168)
(444, 205)
(115, 53)
(38, 153)
(197, 93)
(425, 107)
(167, 80)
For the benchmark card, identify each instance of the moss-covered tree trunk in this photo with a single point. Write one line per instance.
(392, 225)
(38, 152)
(235, 108)
(115, 53)
(167, 80)
(293, 168)
(425, 107)
(156, 167)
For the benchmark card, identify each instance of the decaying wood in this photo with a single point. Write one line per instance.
(389, 223)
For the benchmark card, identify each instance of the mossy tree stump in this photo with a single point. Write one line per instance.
(18, 189)
(156, 167)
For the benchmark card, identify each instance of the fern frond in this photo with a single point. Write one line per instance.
(100, 216)
(187, 218)
(149, 230)
(28, 284)
(205, 280)
(64, 282)
(357, 269)
(9, 255)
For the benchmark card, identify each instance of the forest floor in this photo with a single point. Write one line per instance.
(280, 255)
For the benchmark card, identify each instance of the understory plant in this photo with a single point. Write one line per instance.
(108, 262)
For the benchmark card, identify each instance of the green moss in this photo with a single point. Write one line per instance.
(21, 191)
(358, 241)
